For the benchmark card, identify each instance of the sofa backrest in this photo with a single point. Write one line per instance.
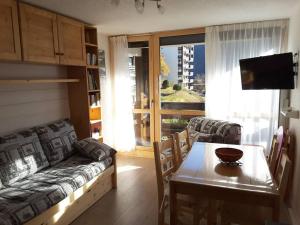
(217, 131)
(29, 151)
(57, 139)
(21, 154)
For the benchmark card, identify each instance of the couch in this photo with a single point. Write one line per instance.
(44, 180)
(204, 129)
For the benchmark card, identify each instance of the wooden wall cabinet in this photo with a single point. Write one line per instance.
(71, 41)
(10, 48)
(39, 35)
(51, 38)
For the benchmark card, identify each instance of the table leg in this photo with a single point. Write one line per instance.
(173, 204)
(276, 210)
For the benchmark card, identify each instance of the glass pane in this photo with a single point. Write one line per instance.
(142, 129)
(139, 73)
(170, 124)
(182, 76)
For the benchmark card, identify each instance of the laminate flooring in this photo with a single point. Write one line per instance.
(134, 202)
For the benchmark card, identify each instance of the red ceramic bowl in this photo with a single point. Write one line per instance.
(229, 154)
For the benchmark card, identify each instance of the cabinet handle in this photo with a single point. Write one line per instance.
(59, 53)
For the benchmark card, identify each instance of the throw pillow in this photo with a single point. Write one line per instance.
(57, 139)
(91, 148)
(21, 154)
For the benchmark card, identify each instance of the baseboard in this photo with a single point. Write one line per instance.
(294, 217)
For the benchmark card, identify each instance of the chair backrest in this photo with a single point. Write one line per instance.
(280, 140)
(272, 155)
(183, 145)
(165, 164)
(282, 173)
(276, 149)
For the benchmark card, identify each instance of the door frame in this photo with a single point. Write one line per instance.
(149, 39)
(158, 111)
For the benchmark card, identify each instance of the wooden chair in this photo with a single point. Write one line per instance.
(282, 173)
(276, 148)
(272, 156)
(183, 145)
(165, 164)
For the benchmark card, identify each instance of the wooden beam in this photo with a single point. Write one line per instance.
(182, 112)
(38, 81)
(190, 31)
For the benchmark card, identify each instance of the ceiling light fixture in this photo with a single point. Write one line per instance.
(140, 5)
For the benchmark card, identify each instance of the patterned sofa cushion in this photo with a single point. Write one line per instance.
(30, 197)
(21, 154)
(215, 131)
(91, 148)
(57, 139)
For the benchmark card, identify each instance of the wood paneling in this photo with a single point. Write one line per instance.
(39, 35)
(10, 48)
(71, 41)
(24, 106)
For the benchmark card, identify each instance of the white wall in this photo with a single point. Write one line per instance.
(294, 45)
(23, 106)
(103, 43)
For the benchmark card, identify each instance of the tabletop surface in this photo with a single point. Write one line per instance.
(203, 167)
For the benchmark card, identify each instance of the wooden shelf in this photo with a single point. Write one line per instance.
(91, 45)
(92, 91)
(38, 81)
(95, 107)
(92, 66)
(95, 121)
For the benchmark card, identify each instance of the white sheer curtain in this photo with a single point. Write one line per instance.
(118, 126)
(256, 110)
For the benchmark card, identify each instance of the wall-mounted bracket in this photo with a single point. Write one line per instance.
(296, 63)
(289, 112)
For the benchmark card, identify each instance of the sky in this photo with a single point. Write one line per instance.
(170, 54)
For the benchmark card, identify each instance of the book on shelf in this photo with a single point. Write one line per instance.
(92, 81)
(95, 99)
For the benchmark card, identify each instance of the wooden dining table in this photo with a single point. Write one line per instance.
(202, 174)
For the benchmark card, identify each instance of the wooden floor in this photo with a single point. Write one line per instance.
(134, 202)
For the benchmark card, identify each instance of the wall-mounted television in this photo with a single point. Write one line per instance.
(268, 72)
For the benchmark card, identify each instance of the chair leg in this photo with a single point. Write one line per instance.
(211, 214)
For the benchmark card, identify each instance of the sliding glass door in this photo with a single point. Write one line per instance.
(140, 64)
(168, 83)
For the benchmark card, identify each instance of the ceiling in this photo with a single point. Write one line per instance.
(179, 14)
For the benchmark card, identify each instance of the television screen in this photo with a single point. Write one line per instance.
(268, 72)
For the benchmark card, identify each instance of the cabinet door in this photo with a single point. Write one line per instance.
(10, 48)
(39, 35)
(71, 41)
